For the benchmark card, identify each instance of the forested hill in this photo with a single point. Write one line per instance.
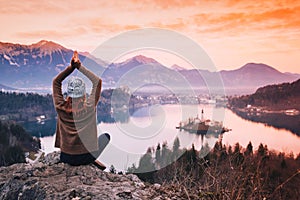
(274, 97)
(25, 106)
(14, 141)
(275, 105)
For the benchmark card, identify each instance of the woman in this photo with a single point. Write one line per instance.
(76, 129)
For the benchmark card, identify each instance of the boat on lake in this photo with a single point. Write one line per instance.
(202, 126)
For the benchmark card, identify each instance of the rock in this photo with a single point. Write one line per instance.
(49, 179)
(156, 186)
(51, 158)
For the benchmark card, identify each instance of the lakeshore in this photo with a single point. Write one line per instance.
(281, 119)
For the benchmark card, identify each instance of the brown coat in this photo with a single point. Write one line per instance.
(76, 133)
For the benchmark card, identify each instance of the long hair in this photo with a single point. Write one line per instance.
(75, 105)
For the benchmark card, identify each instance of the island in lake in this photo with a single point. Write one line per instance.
(202, 126)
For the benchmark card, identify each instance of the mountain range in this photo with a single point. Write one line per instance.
(35, 65)
(32, 66)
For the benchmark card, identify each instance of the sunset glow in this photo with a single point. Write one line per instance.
(232, 32)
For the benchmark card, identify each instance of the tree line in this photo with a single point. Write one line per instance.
(24, 107)
(224, 172)
(279, 96)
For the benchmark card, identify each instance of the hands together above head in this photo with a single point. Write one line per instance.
(75, 62)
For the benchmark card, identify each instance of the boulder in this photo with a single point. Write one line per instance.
(50, 179)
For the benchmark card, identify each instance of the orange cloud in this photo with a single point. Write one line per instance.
(101, 25)
(43, 34)
(168, 3)
(239, 22)
(178, 24)
(131, 27)
(30, 7)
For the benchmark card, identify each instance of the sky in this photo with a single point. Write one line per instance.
(231, 32)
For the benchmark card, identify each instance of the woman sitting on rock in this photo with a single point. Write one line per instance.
(76, 129)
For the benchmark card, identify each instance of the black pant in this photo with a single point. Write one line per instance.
(87, 158)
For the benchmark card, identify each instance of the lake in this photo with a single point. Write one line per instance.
(156, 124)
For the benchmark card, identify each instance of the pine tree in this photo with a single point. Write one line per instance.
(238, 156)
(158, 155)
(146, 164)
(230, 150)
(249, 149)
(261, 150)
(205, 149)
(165, 155)
(176, 145)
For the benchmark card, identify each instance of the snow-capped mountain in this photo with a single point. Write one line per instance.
(35, 65)
(41, 53)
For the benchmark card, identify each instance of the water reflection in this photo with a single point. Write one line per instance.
(245, 131)
(125, 149)
(128, 149)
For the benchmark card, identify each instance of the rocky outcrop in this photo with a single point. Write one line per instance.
(49, 179)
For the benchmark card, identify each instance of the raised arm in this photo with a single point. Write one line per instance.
(58, 98)
(97, 84)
